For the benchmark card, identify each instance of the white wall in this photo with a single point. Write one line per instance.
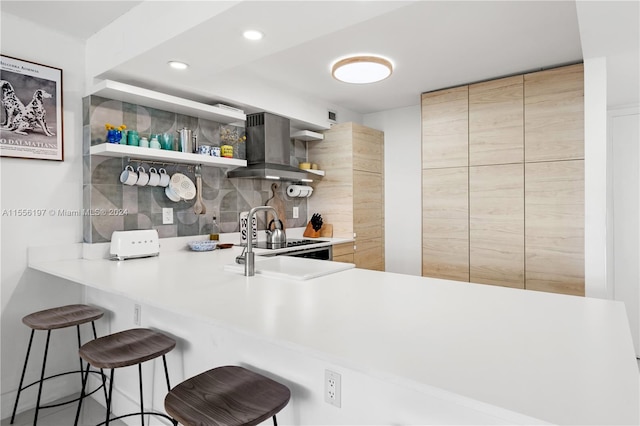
(38, 184)
(624, 141)
(403, 187)
(595, 178)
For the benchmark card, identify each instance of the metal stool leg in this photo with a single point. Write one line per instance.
(24, 370)
(84, 384)
(44, 364)
(166, 372)
(104, 385)
(109, 399)
(141, 396)
(275, 422)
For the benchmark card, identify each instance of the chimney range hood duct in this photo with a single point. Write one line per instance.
(268, 150)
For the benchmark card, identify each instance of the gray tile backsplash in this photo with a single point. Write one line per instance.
(133, 207)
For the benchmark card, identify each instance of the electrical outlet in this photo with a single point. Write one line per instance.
(332, 388)
(137, 314)
(296, 212)
(167, 216)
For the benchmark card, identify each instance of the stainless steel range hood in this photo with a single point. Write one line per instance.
(268, 150)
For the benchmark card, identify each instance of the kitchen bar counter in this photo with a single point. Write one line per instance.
(559, 359)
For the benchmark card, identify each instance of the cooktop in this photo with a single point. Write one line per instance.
(290, 243)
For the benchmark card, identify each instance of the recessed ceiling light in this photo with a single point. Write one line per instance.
(253, 35)
(362, 69)
(178, 65)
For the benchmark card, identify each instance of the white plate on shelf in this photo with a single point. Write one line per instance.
(182, 186)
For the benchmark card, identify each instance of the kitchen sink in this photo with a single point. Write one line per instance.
(292, 268)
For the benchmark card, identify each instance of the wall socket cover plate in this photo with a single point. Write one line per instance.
(332, 388)
(167, 216)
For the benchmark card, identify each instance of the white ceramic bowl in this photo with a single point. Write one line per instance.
(171, 195)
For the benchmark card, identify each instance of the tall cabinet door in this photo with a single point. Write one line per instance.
(554, 114)
(445, 133)
(445, 223)
(496, 123)
(496, 225)
(554, 226)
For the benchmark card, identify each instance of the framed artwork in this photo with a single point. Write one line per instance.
(31, 113)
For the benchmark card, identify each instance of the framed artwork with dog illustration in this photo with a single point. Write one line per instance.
(31, 110)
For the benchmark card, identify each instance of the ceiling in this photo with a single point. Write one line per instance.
(433, 44)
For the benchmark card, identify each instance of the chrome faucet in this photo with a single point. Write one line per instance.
(248, 257)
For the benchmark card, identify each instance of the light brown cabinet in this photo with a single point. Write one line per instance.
(445, 223)
(445, 123)
(511, 213)
(554, 204)
(496, 225)
(554, 114)
(496, 122)
(343, 253)
(351, 195)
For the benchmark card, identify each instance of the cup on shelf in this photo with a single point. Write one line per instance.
(204, 149)
(133, 138)
(128, 176)
(144, 142)
(164, 178)
(226, 151)
(154, 143)
(154, 177)
(215, 151)
(166, 141)
(143, 177)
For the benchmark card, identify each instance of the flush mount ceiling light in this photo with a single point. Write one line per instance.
(252, 35)
(178, 65)
(362, 69)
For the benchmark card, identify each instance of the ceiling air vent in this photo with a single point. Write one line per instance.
(332, 116)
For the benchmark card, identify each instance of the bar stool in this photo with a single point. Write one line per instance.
(229, 395)
(124, 349)
(53, 319)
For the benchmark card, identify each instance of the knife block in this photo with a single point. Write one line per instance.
(326, 231)
(309, 232)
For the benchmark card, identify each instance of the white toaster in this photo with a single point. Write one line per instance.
(133, 244)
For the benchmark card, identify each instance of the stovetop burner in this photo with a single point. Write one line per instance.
(290, 243)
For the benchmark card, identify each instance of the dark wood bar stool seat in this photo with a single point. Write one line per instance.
(124, 349)
(53, 319)
(228, 396)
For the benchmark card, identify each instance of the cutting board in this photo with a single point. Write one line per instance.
(278, 204)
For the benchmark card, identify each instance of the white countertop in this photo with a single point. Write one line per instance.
(561, 359)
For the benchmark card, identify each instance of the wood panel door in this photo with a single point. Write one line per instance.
(554, 114)
(554, 227)
(496, 225)
(445, 223)
(445, 128)
(368, 147)
(368, 205)
(496, 121)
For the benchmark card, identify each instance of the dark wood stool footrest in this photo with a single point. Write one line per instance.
(229, 395)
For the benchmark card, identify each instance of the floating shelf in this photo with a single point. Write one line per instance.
(149, 98)
(315, 172)
(307, 135)
(117, 150)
